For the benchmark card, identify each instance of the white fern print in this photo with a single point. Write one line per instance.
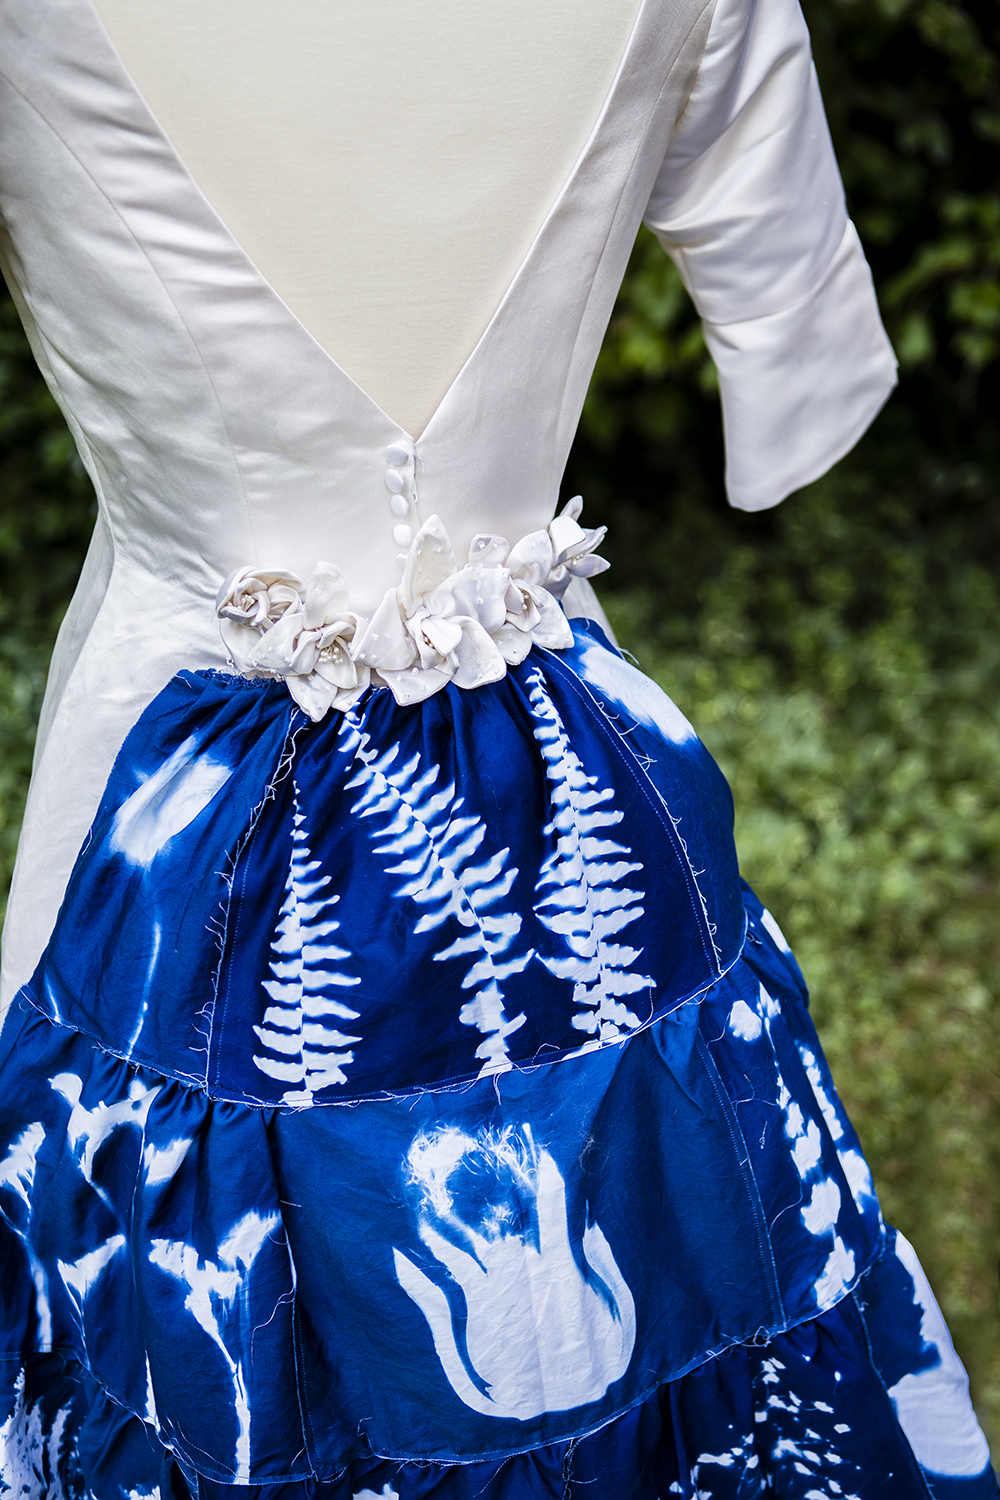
(32, 1449)
(302, 1042)
(421, 826)
(582, 892)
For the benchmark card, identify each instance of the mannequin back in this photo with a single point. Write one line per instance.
(385, 165)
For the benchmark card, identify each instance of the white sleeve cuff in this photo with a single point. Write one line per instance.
(800, 386)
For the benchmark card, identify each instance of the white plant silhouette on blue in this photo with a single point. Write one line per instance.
(420, 825)
(303, 1043)
(86, 1131)
(80, 1275)
(32, 1449)
(17, 1172)
(89, 1127)
(820, 1214)
(541, 1335)
(582, 892)
(211, 1287)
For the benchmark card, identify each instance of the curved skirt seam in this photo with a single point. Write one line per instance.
(446, 1085)
(583, 1430)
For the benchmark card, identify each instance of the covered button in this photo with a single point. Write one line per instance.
(399, 505)
(397, 454)
(402, 535)
(394, 480)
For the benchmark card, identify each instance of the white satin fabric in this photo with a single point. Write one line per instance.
(220, 434)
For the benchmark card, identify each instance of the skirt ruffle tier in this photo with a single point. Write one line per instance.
(414, 1104)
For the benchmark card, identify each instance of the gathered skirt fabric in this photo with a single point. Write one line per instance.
(415, 1104)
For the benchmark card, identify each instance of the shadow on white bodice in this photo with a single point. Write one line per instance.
(345, 146)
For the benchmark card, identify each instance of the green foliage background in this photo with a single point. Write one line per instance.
(840, 656)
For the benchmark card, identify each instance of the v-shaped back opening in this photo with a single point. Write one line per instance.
(402, 335)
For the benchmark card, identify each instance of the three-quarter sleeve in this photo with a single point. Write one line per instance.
(750, 206)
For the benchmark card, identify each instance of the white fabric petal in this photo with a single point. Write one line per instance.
(305, 655)
(523, 605)
(553, 630)
(430, 561)
(276, 648)
(326, 596)
(416, 683)
(442, 633)
(239, 639)
(513, 644)
(479, 659)
(385, 643)
(342, 672)
(531, 558)
(312, 694)
(442, 624)
(476, 592)
(570, 539)
(487, 550)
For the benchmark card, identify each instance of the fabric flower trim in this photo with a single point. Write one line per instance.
(442, 624)
(274, 625)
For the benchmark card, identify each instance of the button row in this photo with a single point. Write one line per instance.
(399, 483)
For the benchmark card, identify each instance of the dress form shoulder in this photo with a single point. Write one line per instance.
(385, 166)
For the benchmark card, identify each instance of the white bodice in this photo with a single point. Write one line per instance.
(219, 433)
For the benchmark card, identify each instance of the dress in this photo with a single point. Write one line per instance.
(409, 1099)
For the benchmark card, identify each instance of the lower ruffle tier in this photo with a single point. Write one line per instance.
(867, 1400)
(412, 1105)
(199, 1296)
(548, 1245)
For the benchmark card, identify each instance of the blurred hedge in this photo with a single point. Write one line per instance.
(46, 514)
(839, 655)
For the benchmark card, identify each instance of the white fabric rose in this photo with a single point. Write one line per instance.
(438, 625)
(442, 624)
(574, 549)
(276, 626)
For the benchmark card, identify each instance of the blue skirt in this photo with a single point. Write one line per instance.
(416, 1104)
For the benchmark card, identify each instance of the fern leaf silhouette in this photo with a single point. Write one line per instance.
(583, 895)
(420, 829)
(300, 1032)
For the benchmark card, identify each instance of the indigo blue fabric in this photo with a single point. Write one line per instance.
(491, 877)
(419, 1092)
(806, 1416)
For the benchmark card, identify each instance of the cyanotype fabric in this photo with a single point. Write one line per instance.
(408, 1102)
(414, 1103)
